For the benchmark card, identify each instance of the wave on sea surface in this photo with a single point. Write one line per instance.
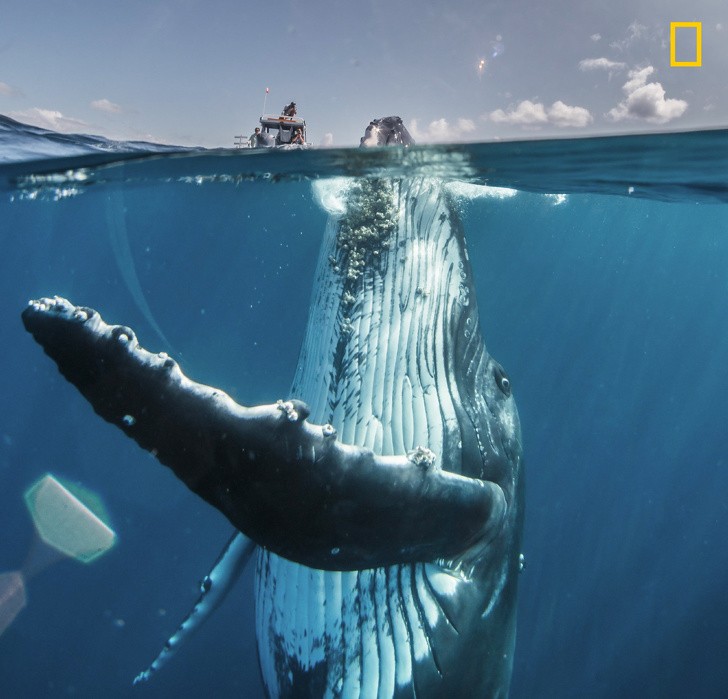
(22, 142)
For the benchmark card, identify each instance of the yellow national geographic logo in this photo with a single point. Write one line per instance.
(698, 27)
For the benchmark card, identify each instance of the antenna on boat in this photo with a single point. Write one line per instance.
(265, 99)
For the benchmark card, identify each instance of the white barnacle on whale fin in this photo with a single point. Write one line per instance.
(422, 457)
(287, 408)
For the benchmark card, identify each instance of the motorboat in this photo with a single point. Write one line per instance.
(276, 130)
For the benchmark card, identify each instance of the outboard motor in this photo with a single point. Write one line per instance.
(387, 131)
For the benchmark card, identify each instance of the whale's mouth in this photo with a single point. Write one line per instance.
(386, 131)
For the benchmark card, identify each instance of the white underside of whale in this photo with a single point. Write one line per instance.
(369, 628)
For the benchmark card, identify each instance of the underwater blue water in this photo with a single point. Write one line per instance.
(606, 308)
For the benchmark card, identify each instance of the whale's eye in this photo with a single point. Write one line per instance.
(502, 380)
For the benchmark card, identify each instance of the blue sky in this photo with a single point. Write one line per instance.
(194, 72)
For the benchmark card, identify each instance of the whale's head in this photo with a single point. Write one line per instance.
(387, 131)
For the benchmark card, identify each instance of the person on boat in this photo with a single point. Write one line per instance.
(298, 137)
(290, 110)
(253, 141)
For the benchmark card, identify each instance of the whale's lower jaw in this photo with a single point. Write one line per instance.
(403, 365)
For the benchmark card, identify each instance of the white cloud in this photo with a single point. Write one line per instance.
(104, 105)
(466, 125)
(534, 114)
(601, 64)
(635, 31)
(563, 115)
(9, 90)
(527, 113)
(49, 119)
(441, 130)
(595, 37)
(646, 100)
(328, 140)
(637, 78)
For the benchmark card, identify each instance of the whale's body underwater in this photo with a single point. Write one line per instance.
(386, 498)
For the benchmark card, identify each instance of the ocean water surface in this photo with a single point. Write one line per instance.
(601, 267)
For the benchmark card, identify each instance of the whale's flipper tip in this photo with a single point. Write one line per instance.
(141, 677)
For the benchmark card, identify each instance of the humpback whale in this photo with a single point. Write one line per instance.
(385, 496)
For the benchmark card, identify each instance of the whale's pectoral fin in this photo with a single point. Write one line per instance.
(289, 485)
(213, 590)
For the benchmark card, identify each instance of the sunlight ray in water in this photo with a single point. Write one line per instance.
(119, 239)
